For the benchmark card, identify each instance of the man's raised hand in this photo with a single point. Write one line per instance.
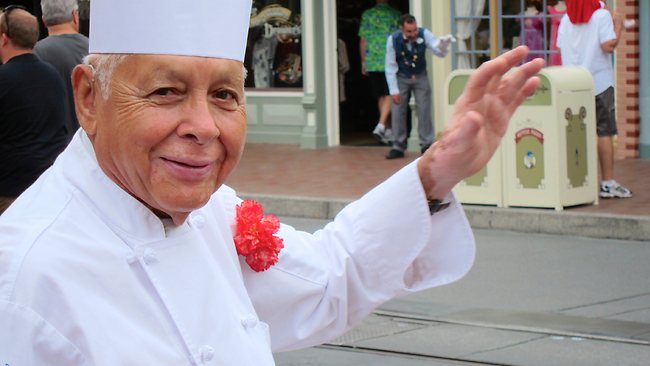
(479, 121)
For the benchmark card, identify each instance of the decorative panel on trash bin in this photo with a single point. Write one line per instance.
(549, 150)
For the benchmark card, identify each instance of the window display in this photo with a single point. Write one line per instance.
(556, 12)
(530, 22)
(274, 50)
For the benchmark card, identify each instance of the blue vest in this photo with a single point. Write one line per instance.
(410, 62)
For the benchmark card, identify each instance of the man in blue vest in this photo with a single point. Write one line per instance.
(406, 72)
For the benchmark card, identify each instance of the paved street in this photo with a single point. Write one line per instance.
(531, 299)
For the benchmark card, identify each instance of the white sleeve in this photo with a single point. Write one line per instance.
(561, 31)
(27, 339)
(382, 246)
(605, 27)
(432, 43)
(390, 67)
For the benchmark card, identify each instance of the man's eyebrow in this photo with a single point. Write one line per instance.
(166, 73)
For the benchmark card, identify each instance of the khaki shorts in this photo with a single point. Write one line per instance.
(606, 113)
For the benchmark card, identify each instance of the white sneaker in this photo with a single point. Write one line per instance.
(614, 190)
(379, 132)
(388, 136)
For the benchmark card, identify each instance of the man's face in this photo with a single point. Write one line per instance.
(172, 129)
(410, 31)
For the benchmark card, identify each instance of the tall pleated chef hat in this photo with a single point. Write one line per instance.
(207, 28)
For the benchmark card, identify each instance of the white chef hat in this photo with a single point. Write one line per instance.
(208, 28)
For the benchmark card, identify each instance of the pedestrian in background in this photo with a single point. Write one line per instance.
(587, 36)
(32, 107)
(377, 23)
(64, 47)
(406, 72)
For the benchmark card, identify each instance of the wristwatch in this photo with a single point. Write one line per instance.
(436, 206)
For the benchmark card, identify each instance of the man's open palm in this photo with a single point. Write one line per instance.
(479, 121)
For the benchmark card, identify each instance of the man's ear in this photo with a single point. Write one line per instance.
(83, 85)
(4, 40)
(75, 19)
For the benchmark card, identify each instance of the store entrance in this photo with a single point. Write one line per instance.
(358, 112)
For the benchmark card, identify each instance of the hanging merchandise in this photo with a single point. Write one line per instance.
(276, 52)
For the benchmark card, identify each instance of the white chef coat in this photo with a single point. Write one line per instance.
(90, 276)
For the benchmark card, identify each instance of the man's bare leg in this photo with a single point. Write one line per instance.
(606, 157)
(383, 103)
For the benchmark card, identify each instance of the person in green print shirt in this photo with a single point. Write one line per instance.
(377, 23)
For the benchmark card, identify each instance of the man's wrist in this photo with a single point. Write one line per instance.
(434, 181)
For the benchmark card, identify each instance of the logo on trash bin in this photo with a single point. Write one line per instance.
(530, 157)
(529, 160)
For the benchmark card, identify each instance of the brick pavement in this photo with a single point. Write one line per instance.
(347, 172)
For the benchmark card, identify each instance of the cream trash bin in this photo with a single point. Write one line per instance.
(484, 187)
(549, 150)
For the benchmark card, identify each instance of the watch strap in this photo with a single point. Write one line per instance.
(437, 206)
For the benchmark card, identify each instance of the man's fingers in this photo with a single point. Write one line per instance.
(526, 71)
(494, 84)
(490, 72)
(514, 57)
(513, 83)
(526, 90)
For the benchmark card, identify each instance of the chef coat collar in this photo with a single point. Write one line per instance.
(130, 218)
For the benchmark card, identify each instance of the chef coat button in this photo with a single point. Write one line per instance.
(149, 256)
(206, 353)
(198, 221)
(249, 322)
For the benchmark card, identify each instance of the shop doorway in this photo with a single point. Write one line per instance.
(358, 113)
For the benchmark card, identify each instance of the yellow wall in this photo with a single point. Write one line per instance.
(441, 25)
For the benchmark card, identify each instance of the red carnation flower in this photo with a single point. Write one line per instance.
(255, 236)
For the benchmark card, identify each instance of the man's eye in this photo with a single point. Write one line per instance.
(163, 91)
(225, 95)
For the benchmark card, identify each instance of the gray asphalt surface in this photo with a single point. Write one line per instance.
(530, 299)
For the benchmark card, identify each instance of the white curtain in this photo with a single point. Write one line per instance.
(465, 27)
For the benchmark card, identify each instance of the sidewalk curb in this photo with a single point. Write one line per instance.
(584, 224)
(528, 220)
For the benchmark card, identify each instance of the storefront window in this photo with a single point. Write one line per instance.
(472, 29)
(274, 49)
(530, 22)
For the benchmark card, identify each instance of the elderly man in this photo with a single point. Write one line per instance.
(64, 47)
(133, 258)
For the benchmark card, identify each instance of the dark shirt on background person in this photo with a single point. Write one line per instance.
(32, 110)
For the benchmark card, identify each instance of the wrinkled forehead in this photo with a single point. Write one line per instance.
(175, 68)
(206, 28)
(157, 62)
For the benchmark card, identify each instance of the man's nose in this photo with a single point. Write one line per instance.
(199, 123)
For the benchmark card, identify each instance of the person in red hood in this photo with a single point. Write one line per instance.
(580, 11)
(587, 36)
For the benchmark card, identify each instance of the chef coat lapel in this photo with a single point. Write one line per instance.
(128, 217)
